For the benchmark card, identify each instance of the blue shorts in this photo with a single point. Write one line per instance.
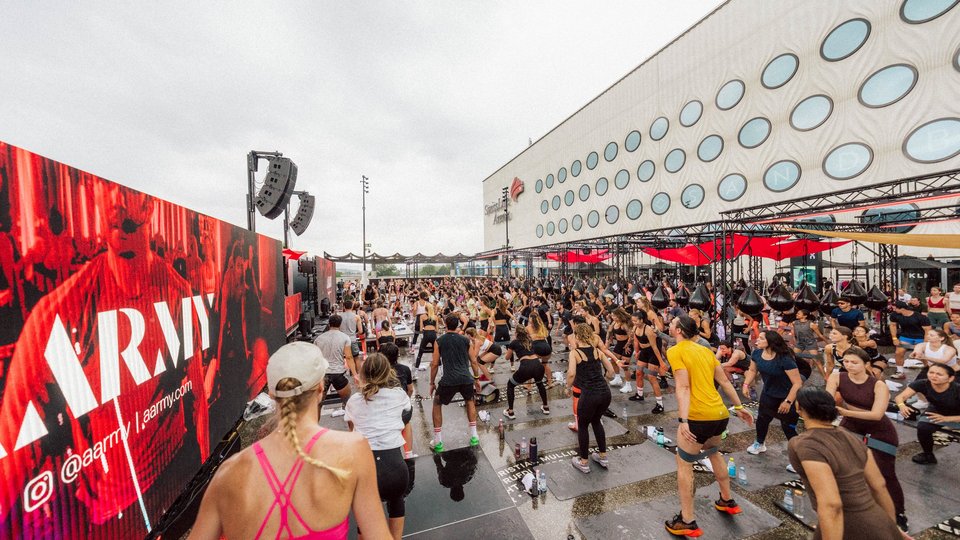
(912, 342)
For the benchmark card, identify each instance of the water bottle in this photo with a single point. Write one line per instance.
(523, 446)
(660, 438)
(535, 487)
(624, 411)
(542, 481)
(516, 451)
(798, 503)
(742, 476)
(788, 499)
(533, 449)
(500, 429)
(732, 468)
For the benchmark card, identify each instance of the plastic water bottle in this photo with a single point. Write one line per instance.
(798, 503)
(788, 499)
(500, 429)
(523, 446)
(732, 468)
(742, 475)
(542, 480)
(660, 438)
(535, 488)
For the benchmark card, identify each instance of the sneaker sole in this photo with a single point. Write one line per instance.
(690, 533)
(732, 510)
(757, 453)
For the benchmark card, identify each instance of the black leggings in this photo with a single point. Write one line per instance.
(590, 409)
(529, 369)
(392, 480)
(768, 411)
(925, 431)
(416, 330)
(429, 338)
(501, 333)
(888, 468)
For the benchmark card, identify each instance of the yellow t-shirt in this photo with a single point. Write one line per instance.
(699, 361)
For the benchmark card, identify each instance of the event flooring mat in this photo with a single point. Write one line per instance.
(557, 435)
(507, 524)
(764, 470)
(627, 465)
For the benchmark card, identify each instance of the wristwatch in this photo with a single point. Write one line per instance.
(682, 420)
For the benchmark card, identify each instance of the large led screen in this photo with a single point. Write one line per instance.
(132, 333)
(326, 280)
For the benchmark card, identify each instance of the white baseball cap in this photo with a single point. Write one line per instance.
(300, 360)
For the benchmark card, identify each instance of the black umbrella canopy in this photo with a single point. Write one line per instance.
(700, 299)
(828, 302)
(781, 299)
(876, 299)
(854, 293)
(660, 300)
(750, 302)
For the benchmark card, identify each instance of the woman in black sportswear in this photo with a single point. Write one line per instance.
(588, 372)
(530, 368)
(501, 321)
(428, 326)
(773, 361)
(386, 335)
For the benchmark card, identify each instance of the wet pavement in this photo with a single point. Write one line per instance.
(468, 493)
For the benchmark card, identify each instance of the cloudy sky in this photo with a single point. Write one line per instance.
(425, 98)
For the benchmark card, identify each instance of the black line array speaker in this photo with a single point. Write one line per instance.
(277, 187)
(304, 214)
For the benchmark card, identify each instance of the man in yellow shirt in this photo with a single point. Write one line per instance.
(703, 418)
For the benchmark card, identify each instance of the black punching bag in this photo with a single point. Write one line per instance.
(829, 301)
(781, 300)
(807, 299)
(750, 302)
(876, 299)
(660, 300)
(700, 299)
(854, 293)
(682, 296)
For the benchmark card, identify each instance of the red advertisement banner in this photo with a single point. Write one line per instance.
(291, 312)
(132, 333)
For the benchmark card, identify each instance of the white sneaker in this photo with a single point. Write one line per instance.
(756, 448)
(791, 469)
(627, 388)
(338, 412)
(422, 368)
(617, 381)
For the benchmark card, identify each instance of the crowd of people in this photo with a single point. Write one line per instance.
(798, 367)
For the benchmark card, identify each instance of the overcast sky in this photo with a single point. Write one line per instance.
(425, 98)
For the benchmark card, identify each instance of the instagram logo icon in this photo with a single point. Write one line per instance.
(38, 491)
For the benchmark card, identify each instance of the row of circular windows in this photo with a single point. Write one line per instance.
(882, 88)
(934, 141)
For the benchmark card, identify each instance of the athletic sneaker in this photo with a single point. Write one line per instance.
(422, 368)
(509, 414)
(756, 448)
(902, 523)
(544, 409)
(678, 527)
(664, 384)
(657, 410)
(790, 469)
(924, 458)
(636, 397)
(627, 388)
(728, 506)
(582, 467)
(617, 381)
(602, 461)
(338, 412)
(474, 441)
(436, 447)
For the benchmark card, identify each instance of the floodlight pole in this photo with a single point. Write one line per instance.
(252, 158)
(366, 189)
(506, 228)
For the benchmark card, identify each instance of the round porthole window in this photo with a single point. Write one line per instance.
(539, 231)
(782, 175)
(612, 214)
(577, 222)
(544, 206)
(691, 113)
(622, 179)
(710, 148)
(592, 160)
(602, 186)
(568, 197)
(551, 228)
(692, 196)
(732, 187)
(556, 202)
(593, 218)
(811, 113)
(645, 171)
(632, 142)
(562, 225)
(659, 127)
(549, 181)
(888, 85)
(845, 39)
(610, 152)
(539, 185)
(921, 11)
(779, 71)
(674, 160)
(584, 192)
(562, 175)
(730, 94)
(937, 140)
(754, 132)
(892, 214)
(847, 161)
(660, 203)
(575, 168)
(634, 209)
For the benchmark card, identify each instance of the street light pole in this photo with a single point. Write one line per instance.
(506, 228)
(366, 189)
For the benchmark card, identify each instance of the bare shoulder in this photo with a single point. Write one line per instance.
(233, 472)
(340, 446)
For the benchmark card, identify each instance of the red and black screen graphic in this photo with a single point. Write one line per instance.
(132, 334)
(326, 280)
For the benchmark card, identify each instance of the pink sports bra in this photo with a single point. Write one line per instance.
(282, 493)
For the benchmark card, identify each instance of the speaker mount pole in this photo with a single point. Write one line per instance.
(252, 159)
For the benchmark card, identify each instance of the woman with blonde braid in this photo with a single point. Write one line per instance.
(379, 412)
(312, 501)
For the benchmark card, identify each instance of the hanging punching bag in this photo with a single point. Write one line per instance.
(828, 302)
(700, 299)
(609, 290)
(781, 300)
(650, 285)
(750, 302)
(807, 299)
(876, 299)
(682, 296)
(660, 300)
(854, 293)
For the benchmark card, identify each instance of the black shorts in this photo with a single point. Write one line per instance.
(704, 430)
(494, 349)
(483, 325)
(620, 348)
(648, 357)
(445, 393)
(542, 347)
(336, 380)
